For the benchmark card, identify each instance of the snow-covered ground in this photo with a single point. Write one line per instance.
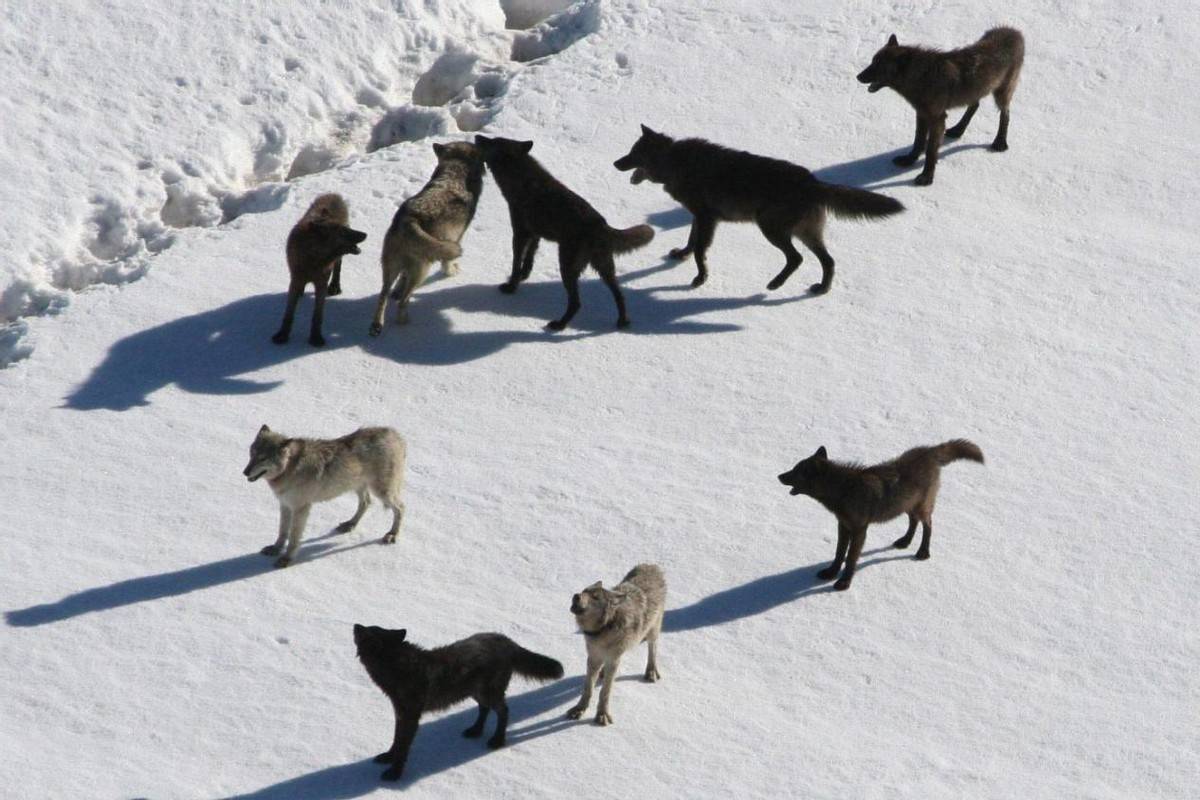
(1042, 302)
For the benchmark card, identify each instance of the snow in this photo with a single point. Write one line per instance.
(1042, 302)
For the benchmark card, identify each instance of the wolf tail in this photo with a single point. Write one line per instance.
(851, 203)
(536, 666)
(957, 449)
(622, 241)
(436, 249)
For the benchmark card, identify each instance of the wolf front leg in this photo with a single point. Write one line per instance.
(295, 290)
(910, 158)
(937, 129)
(285, 525)
(594, 663)
(407, 720)
(603, 717)
(296, 530)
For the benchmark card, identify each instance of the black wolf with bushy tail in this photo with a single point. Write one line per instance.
(933, 81)
(541, 207)
(718, 184)
(418, 680)
(859, 495)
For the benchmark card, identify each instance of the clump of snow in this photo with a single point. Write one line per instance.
(558, 32)
(521, 14)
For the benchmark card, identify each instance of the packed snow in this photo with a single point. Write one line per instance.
(1041, 302)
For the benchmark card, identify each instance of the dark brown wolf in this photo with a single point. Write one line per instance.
(418, 680)
(315, 248)
(859, 495)
(541, 207)
(933, 81)
(782, 198)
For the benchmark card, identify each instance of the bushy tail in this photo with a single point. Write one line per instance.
(435, 249)
(957, 449)
(850, 203)
(536, 666)
(623, 241)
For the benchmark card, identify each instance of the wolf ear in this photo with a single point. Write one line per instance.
(647, 132)
(439, 150)
(821, 454)
(524, 147)
(892, 41)
(481, 139)
(263, 429)
(596, 585)
(400, 634)
(358, 628)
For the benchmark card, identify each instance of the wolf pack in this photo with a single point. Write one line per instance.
(715, 184)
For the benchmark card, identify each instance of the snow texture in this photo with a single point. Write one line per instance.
(1041, 302)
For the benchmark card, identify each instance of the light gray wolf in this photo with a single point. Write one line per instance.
(717, 184)
(305, 471)
(315, 248)
(859, 495)
(418, 680)
(429, 226)
(541, 207)
(614, 621)
(933, 81)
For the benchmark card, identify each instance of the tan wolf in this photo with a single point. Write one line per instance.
(305, 471)
(613, 622)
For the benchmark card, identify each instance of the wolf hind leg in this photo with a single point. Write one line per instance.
(364, 500)
(397, 508)
(779, 233)
(603, 262)
(960, 127)
(571, 263)
(497, 739)
(905, 540)
(476, 729)
(295, 290)
(391, 271)
(1003, 97)
(652, 674)
(811, 233)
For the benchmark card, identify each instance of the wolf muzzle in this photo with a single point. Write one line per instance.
(575, 607)
(874, 86)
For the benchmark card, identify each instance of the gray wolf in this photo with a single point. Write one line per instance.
(315, 247)
(717, 184)
(541, 207)
(614, 621)
(305, 471)
(859, 495)
(429, 226)
(417, 680)
(933, 81)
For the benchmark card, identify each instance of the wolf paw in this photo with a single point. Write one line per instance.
(280, 338)
(346, 526)
(495, 743)
(922, 555)
(334, 289)
(384, 758)
(902, 543)
(907, 161)
(828, 574)
(451, 268)
(271, 550)
(679, 253)
(819, 288)
(555, 325)
(699, 281)
(375, 329)
(998, 147)
(604, 719)
(776, 282)
(576, 712)
(623, 323)
(652, 676)
(388, 538)
(473, 732)
(508, 287)
(954, 133)
(924, 179)
(282, 562)
(842, 585)
(392, 774)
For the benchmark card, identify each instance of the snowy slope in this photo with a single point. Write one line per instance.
(1042, 302)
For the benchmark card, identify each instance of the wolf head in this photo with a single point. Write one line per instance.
(346, 240)
(594, 607)
(270, 454)
(371, 640)
(645, 157)
(464, 152)
(801, 476)
(498, 150)
(885, 66)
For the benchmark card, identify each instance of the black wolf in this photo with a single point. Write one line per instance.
(782, 198)
(315, 248)
(541, 207)
(859, 495)
(417, 680)
(933, 81)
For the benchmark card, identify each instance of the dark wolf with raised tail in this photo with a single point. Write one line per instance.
(859, 495)
(315, 247)
(933, 81)
(718, 184)
(541, 207)
(417, 680)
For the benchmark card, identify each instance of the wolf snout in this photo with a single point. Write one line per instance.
(623, 163)
(575, 607)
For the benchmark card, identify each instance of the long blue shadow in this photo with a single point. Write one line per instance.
(439, 746)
